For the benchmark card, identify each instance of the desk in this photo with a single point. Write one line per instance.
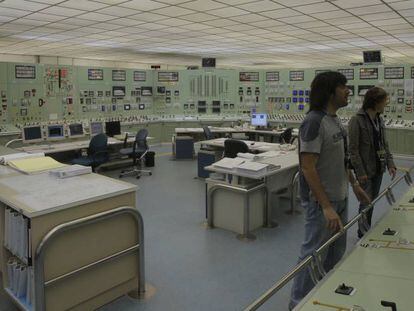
(379, 267)
(274, 180)
(256, 146)
(68, 146)
(49, 202)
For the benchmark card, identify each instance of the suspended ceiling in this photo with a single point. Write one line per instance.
(239, 33)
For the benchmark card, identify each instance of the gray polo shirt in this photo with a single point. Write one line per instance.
(324, 134)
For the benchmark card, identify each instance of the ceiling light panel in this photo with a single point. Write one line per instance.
(143, 5)
(58, 10)
(202, 5)
(228, 12)
(22, 5)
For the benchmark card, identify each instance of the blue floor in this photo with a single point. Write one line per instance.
(193, 268)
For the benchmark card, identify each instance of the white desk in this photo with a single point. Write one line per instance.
(379, 267)
(257, 146)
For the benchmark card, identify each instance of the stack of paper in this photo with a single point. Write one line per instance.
(20, 155)
(271, 154)
(229, 163)
(253, 167)
(249, 156)
(71, 170)
(35, 165)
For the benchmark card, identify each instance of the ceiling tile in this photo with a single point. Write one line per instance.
(148, 17)
(228, 12)
(347, 4)
(83, 5)
(97, 17)
(143, 5)
(203, 5)
(173, 11)
(13, 12)
(249, 18)
(22, 5)
(57, 10)
(316, 8)
(260, 6)
(118, 11)
(371, 9)
(281, 13)
(402, 5)
(199, 17)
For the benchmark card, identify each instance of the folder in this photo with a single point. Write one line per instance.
(35, 165)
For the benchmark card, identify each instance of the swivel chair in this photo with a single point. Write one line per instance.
(137, 152)
(233, 146)
(207, 133)
(97, 152)
(286, 136)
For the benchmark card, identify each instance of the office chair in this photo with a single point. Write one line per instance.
(286, 136)
(207, 132)
(233, 146)
(138, 151)
(97, 152)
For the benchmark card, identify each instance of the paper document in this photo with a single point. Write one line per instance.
(21, 155)
(249, 156)
(71, 170)
(253, 167)
(229, 163)
(271, 154)
(35, 165)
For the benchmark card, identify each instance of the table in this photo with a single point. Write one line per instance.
(88, 220)
(380, 267)
(257, 146)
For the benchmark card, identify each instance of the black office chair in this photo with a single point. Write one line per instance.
(207, 133)
(137, 152)
(286, 136)
(97, 152)
(233, 146)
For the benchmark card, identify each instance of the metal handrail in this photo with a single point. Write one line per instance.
(311, 258)
(12, 141)
(40, 284)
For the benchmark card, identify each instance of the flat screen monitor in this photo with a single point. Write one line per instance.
(32, 134)
(76, 130)
(113, 128)
(96, 128)
(259, 119)
(372, 57)
(55, 131)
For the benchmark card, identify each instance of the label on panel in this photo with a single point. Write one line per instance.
(25, 72)
(272, 76)
(296, 75)
(368, 73)
(249, 76)
(170, 76)
(95, 74)
(118, 75)
(348, 73)
(394, 73)
(140, 76)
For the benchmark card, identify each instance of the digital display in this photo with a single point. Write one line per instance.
(55, 131)
(25, 72)
(76, 129)
(118, 91)
(348, 73)
(394, 73)
(170, 76)
(140, 76)
(259, 119)
(96, 128)
(118, 75)
(272, 76)
(372, 56)
(113, 128)
(368, 73)
(32, 134)
(249, 76)
(296, 75)
(95, 74)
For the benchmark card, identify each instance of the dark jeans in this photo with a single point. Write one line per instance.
(316, 234)
(372, 188)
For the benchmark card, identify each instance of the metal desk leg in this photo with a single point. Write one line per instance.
(246, 236)
(269, 223)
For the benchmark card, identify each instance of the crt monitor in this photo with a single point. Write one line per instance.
(96, 128)
(32, 134)
(113, 128)
(55, 131)
(259, 119)
(76, 129)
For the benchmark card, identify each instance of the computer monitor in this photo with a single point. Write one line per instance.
(96, 128)
(76, 130)
(32, 134)
(259, 119)
(55, 132)
(113, 128)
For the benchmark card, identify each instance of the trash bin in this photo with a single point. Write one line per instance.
(150, 159)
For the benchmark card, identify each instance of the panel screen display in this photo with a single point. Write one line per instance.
(76, 129)
(249, 76)
(95, 74)
(259, 119)
(55, 131)
(32, 133)
(394, 73)
(296, 75)
(368, 73)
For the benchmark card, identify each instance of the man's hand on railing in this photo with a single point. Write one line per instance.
(361, 195)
